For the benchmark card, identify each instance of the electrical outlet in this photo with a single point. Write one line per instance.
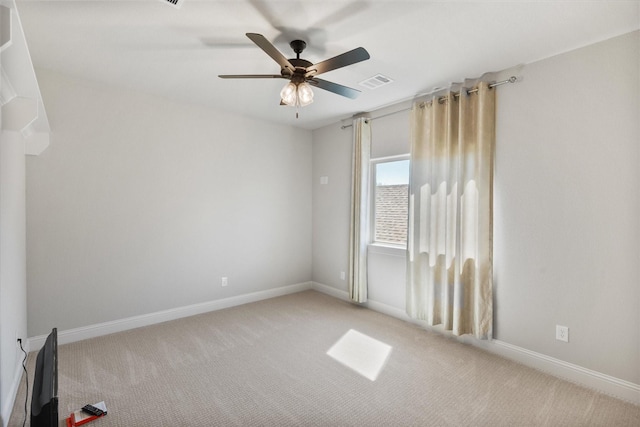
(224, 281)
(562, 333)
(18, 343)
(343, 275)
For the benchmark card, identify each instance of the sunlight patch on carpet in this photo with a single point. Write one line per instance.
(365, 355)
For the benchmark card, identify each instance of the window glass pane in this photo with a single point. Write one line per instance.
(391, 202)
(393, 173)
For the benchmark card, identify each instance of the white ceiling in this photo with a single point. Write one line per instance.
(150, 46)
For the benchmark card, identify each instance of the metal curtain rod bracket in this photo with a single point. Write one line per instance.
(511, 79)
(442, 99)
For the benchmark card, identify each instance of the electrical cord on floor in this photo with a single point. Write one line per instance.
(26, 376)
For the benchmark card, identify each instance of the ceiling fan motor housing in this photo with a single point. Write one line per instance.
(300, 73)
(300, 69)
(298, 46)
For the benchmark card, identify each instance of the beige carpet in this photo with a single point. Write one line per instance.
(266, 364)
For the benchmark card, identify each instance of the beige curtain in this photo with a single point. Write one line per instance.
(449, 272)
(359, 225)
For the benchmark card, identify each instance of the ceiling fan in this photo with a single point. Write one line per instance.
(302, 73)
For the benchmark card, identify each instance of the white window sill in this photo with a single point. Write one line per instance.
(385, 249)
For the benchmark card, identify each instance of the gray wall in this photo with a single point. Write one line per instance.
(331, 158)
(331, 205)
(13, 285)
(141, 205)
(567, 204)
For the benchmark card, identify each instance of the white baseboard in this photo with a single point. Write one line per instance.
(374, 305)
(336, 293)
(607, 384)
(595, 380)
(603, 383)
(96, 330)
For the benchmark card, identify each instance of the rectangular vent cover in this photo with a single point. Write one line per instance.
(376, 81)
(175, 3)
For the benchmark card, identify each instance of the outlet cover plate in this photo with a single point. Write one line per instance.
(562, 333)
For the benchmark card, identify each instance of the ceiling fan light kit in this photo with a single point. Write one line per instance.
(296, 95)
(302, 73)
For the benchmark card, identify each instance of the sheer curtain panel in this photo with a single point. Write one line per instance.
(359, 225)
(449, 262)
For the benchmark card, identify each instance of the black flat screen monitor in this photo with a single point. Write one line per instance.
(44, 398)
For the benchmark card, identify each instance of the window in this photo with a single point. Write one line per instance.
(390, 200)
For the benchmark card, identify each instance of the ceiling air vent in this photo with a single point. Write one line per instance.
(376, 81)
(175, 3)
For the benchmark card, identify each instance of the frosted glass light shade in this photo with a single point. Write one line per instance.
(296, 95)
(305, 94)
(288, 94)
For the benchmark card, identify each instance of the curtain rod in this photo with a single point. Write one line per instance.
(511, 79)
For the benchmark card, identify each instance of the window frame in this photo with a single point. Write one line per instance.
(388, 248)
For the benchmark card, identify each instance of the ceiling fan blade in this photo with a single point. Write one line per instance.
(271, 50)
(344, 13)
(250, 76)
(266, 12)
(353, 56)
(334, 87)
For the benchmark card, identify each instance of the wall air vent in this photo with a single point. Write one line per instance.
(175, 3)
(376, 81)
